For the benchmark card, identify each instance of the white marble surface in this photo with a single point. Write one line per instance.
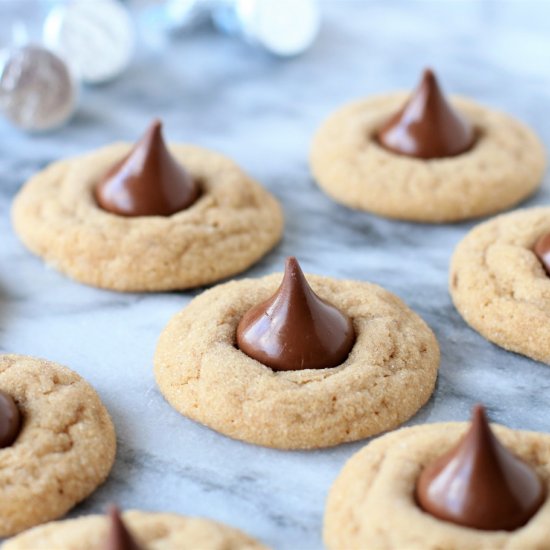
(261, 111)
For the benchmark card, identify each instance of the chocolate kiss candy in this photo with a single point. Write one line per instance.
(295, 329)
(542, 251)
(480, 484)
(119, 537)
(148, 182)
(427, 126)
(10, 420)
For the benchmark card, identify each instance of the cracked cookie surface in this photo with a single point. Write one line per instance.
(65, 449)
(230, 227)
(371, 504)
(389, 374)
(499, 286)
(151, 530)
(504, 166)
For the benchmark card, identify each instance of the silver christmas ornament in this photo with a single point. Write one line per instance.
(282, 27)
(96, 37)
(37, 90)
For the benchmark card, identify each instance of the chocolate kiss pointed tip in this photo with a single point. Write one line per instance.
(479, 483)
(429, 76)
(427, 126)
(148, 181)
(113, 512)
(292, 267)
(295, 329)
(119, 538)
(154, 132)
(480, 427)
(479, 415)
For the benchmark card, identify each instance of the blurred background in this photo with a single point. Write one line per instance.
(252, 80)
(203, 50)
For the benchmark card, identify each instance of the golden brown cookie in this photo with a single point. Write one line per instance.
(230, 227)
(372, 505)
(500, 287)
(504, 166)
(65, 449)
(389, 374)
(152, 530)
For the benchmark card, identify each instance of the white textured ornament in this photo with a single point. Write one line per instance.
(96, 37)
(282, 27)
(37, 90)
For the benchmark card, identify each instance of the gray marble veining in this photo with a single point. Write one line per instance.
(213, 91)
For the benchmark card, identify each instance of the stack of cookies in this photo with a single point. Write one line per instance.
(294, 361)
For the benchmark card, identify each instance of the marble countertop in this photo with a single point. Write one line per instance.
(262, 111)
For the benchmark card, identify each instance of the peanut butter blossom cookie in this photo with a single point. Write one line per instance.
(450, 486)
(57, 442)
(424, 158)
(147, 218)
(499, 281)
(134, 531)
(302, 363)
